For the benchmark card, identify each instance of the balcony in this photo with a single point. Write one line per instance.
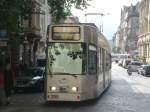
(32, 27)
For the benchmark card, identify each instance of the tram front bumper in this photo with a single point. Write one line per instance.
(64, 97)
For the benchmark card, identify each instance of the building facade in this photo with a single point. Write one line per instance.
(116, 43)
(128, 29)
(132, 29)
(123, 28)
(33, 41)
(144, 30)
(4, 49)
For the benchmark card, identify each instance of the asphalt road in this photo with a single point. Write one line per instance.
(126, 94)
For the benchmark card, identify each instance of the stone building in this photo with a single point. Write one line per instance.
(128, 29)
(116, 43)
(33, 41)
(122, 30)
(132, 29)
(123, 27)
(144, 30)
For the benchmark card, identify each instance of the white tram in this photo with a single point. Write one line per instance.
(78, 62)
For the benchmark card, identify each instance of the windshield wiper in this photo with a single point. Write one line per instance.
(61, 73)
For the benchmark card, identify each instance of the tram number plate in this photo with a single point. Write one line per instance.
(63, 89)
(54, 96)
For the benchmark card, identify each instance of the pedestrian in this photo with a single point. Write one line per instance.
(8, 81)
(2, 95)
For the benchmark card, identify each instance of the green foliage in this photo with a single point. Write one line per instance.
(62, 8)
(8, 14)
(11, 13)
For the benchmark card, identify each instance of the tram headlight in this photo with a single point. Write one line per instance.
(74, 89)
(53, 88)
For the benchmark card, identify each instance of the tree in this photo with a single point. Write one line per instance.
(62, 8)
(11, 13)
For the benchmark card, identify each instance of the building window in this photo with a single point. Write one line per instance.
(3, 34)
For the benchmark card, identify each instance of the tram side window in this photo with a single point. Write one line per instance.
(110, 61)
(101, 59)
(92, 62)
(107, 61)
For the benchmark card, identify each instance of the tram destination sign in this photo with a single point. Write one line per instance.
(66, 33)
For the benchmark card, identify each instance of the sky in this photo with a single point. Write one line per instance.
(111, 10)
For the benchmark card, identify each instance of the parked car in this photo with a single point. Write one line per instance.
(134, 66)
(31, 79)
(144, 70)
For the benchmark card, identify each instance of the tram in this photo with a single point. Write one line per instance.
(78, 62)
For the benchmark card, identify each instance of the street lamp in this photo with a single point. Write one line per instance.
(101, 15)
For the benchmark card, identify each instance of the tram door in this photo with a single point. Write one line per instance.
(103, 66)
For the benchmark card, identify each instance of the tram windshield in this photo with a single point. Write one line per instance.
(66, 58)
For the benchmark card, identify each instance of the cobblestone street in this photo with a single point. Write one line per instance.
(126, 94)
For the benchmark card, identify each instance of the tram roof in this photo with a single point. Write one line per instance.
(102, 38)
(104, 42)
